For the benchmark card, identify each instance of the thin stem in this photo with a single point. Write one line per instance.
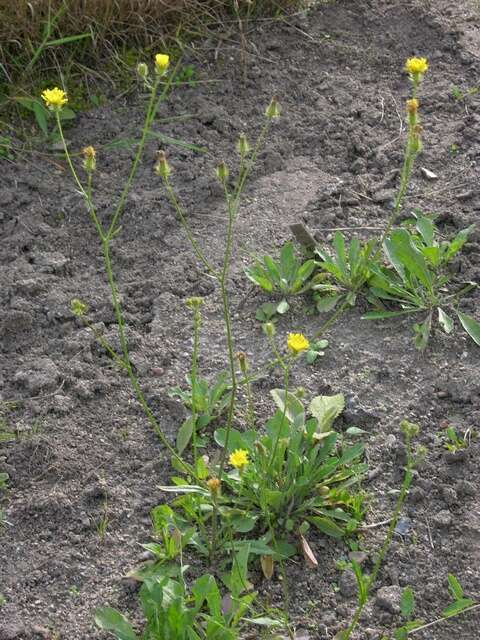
(196, 341)
(407, 479)
(105, 242)
(438, 620)
(151, 110)
(186, 227)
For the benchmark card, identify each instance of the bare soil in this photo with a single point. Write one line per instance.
(331, 161)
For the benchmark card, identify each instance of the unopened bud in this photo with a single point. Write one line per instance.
(222, 172)
(269, 329)
(162, 167)
(243, 147)
(410, 429)
(194, 302)
(142, 70)
(214, 485)
(242, 361)
(89, 161)
(78, 308)
(273, 109)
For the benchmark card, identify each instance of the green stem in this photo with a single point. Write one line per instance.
(152, 108)
(407, 479)
(105, 242)
(438, 620)
(196, 328)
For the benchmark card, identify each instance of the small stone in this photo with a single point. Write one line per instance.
(417, 494)
(450, 496)
(384, 196)
(388, 598)
(464, 195)
(466, 488)
(443, 518)
(347, 584)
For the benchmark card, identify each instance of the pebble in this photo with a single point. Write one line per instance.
(347, 584)
(417, 494)
(466, 488)
(443, 518)
(449, 495)
(359, 556)
(388, 598)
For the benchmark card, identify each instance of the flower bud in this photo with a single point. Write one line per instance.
(78, 308)
(89, 161)
(162, 167)
(214, 485)
(142, 70)
(242, 361)
(269, 329)
(243, 147)
(194, 303)
(222, 172)
(273, 109)
(410, 429)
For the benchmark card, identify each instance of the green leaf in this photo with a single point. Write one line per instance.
(339, 244)
(67, 114)
(422, 332)
(471, 326)
(426, 228)
(402, 252)
(327, 303)
(407, 602)
(40, 116)
(295, 412)
(457, 607)
(327, 526)
(184, 434)
(445, 321)
(326, 409)
(383, 315)
(243, 524)
(112, 620)
(454, 587)
(264, 621)
(258, 279)
(351, 453)
(184, 488)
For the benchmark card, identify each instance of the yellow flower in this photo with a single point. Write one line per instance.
(416, 66)
(55, 98)
(297, 342)
(162, 60)
(239, 458)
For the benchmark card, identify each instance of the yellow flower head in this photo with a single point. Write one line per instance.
(55, 98)
(416, 66)
(297, 342)
(239, 458)
(162, 60)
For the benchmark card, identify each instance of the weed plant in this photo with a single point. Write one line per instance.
(262, 491)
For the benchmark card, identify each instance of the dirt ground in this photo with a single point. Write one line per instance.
(331, 161)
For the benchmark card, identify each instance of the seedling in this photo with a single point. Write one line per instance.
(349, 268)
(288, 275)
(416, 281)
(453, 442)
